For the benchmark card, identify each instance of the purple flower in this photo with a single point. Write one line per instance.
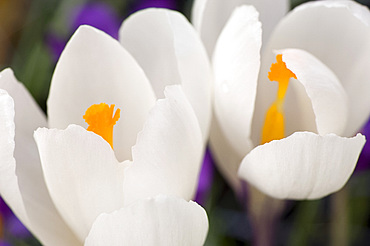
(364, 160)
(55, 45)
(10, 224)
(205, 178)
(4, 209)
(98, 15)
(169, 4)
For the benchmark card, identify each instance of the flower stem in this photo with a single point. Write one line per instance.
(264, 213)
(339, 218)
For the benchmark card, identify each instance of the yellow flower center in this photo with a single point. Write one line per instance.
(101, 120)
(273, 128)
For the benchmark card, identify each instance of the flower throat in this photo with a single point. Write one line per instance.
(274, 126)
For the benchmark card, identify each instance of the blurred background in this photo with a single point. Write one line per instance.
(33, 33)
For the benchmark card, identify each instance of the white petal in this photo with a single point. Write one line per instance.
(157, 221)
(9, 189)
(326, 94)
(303, 165)
(236, 64)
(29, 116)
(226, 158)
(25, 190)
(82, 174)
(170, 51)
(338, 34)
(167, 155)
(210, 16)
(95, 68)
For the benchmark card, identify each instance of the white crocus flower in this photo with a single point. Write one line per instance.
(158, 144)
(159, 39)
(310, 160)
(210, 16)
(161, 221)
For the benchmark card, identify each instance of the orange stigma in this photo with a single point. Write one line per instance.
(101, 120)
(274, 126)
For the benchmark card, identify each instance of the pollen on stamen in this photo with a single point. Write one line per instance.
(273, 128)
(280, 73)
(101, 120)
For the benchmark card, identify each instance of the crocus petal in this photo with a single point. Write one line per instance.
(161, 220)
(338, 34)
(25, 189)
(226, 158)
(303, 165)
(170, 51)
(167, 155)
(236, 64)
(82, 174)
(324, 91)
(210, 16)
(28, 118)
(315, 102)
(95, 68)
(9, 189)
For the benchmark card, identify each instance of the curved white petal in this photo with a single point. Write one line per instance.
(168, 152)
(325, 92)
(226, 158)
(338, 34)
(95, 68)
(25, 189)
(82, 174)
(303, 165)
(170, 51)
(210, 16)
(9, 189)
(161, 221)
(236, 64)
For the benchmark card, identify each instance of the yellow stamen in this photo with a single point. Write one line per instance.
(273, 128)
(101, 120)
